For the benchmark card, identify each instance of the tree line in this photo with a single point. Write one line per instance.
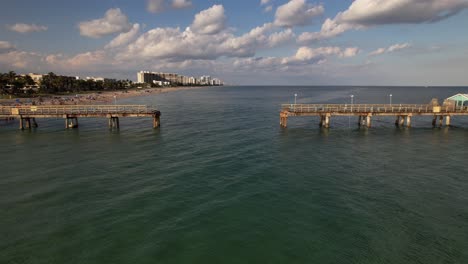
(12, 83)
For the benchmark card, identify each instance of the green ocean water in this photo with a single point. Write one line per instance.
(221, 182)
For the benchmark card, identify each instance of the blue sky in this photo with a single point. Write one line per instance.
(295, 42)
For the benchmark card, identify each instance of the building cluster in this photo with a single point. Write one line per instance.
(167, 79)
(37, 78)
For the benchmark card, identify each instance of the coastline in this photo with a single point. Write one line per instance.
(98, 97)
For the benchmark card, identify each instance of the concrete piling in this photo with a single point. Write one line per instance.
(114, 122)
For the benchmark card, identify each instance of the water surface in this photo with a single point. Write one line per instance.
(221, 182)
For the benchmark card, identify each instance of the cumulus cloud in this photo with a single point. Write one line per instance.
(317, 54)
(297, 13)
(155, 6)
(268, 9)
(114, 21)
(209, 21)
(264, 2)
(19, 60)
(6, 46)
(382, 12)
(181, 3)
(279, 38)
(367, 13)
(26, 28)
(124, 38)
(304, 56)
(393, 48)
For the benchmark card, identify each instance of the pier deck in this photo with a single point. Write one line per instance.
(28, 114)
(365, 112)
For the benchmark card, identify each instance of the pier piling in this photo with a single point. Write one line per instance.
(71, 122)
(114, 122)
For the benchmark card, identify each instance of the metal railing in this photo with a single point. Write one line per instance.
(76, 109)
(370, 108)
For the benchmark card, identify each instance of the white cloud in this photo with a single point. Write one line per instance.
(393, 48)
(368, 13)
(397, 47)
(6, 46)
(114, 21)
(155, 6)
(383, 12)
(264, 2)
(181, 3)
(209, 21)
(378, 51)
(279, 38)
(297, 13)
(86, 61)
(19, 60)
(329, 29)
(310, 54)
(268, 9)
(124, 38)
(172, 44)
(26, 28)
(304, 56)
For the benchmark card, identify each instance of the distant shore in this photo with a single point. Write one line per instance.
(98, 97)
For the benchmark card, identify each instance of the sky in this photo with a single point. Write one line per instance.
(243, 42)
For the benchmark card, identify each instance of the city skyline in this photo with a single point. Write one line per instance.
(296, 42)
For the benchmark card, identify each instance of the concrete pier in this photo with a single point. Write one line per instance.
(27, 115)
(402, 113)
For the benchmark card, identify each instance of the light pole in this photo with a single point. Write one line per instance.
(115, 100)
(295, 98)
(352, 102)
(391, 99)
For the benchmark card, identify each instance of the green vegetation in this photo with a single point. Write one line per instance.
(21, 85)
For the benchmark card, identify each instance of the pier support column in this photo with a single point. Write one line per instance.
(21, 125)
(397, 121)
(322, 121)
(28, 123)
(447, 120)
(441, 120)
(434, 121)
(157, 121)
(114, 122)
(327, 120)
(369, 121)
(283, 119)
(408, 121)
(71, 122)
(359, 121)
(34, 123)
(402, 121)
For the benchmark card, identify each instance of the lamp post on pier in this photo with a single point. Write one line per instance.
(115, 100)
(390, 99)
(352, 101)
(295, 98)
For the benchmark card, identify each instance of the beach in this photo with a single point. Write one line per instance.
(98, 97)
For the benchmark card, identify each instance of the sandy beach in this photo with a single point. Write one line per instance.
(104, 97)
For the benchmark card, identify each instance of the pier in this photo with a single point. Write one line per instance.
(28, 115)
(364, 113)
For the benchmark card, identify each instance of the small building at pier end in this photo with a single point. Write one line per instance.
(458, 101)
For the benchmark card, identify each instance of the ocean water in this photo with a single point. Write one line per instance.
(221, 182)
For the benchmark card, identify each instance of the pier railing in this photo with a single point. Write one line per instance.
(76, 109)
(370, 108)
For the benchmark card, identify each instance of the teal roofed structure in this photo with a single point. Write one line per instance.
(459, 99)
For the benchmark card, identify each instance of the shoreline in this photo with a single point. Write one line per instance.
(98, 97)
